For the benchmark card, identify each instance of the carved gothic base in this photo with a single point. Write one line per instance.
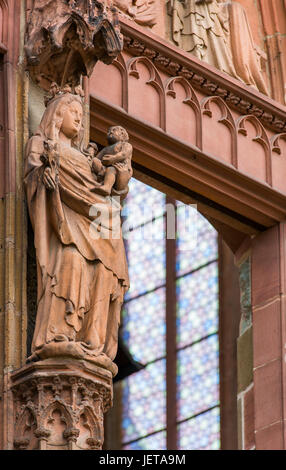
(58, 404)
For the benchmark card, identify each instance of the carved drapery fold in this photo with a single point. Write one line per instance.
(218, 32)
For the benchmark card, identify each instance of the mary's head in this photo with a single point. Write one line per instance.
(63, 120)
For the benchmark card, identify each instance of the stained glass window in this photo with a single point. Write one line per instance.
(145, 343)
(196, 241)
(144, 323)
(201, 432)
(146, 257)
(144, 204)
(144, 402)
(155, 441)
(197, 304)
(197, 377)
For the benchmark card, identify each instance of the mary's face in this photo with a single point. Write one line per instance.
(72, 120)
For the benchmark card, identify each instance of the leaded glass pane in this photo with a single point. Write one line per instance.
(197, 305)
(142, 204)
(198, 377)
(154, 442)
(144, 401)
(146, 257)
(196, 240)
(144, 326)
(201, 432)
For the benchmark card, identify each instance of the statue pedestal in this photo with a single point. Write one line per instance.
(59, 403)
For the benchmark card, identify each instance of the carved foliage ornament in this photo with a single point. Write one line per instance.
(65, 39)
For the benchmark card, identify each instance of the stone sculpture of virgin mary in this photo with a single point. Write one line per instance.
(82, 278)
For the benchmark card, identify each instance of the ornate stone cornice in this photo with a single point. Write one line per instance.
(169, 58)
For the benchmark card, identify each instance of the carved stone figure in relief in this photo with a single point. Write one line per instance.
(81, 263)
(113, 163)
(143, 12)
(218, 32)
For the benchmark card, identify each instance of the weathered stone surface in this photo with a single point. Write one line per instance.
(65, 39)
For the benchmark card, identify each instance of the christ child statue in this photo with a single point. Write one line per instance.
(113, 163)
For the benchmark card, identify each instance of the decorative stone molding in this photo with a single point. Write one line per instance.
(218, 124)
(203, 77)
(65, 39)
(59, 405)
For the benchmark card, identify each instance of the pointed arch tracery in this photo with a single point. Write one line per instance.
(120, 64)
(215, 138)
(190, 99)
(276, 143)
(249, 153)
(278, 161)
(140, 99)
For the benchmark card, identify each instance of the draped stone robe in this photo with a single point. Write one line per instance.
(218, 32)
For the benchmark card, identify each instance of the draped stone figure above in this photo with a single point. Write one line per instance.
(218, 32)
(81, 263)
(143, 12)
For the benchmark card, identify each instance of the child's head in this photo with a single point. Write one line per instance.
(117, 134)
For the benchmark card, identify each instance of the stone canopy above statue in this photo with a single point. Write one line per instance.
(65, 39)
